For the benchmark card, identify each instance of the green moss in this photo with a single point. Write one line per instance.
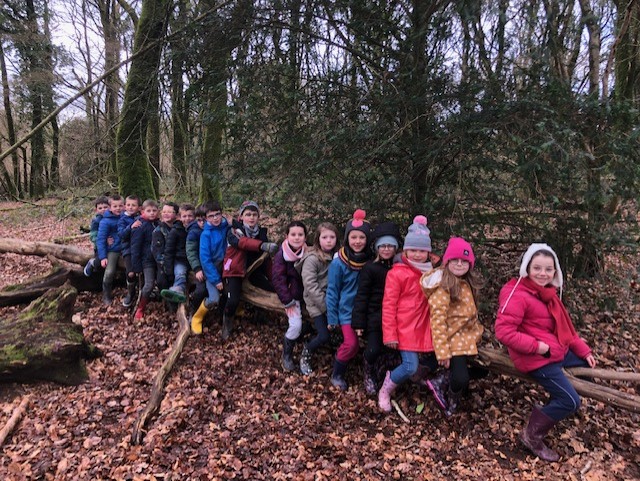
(13, 354)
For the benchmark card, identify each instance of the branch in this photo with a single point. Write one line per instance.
(14, 419)
(130, 11)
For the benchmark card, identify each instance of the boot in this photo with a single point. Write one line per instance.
(131, 293)
(174, 294)
(533, 436)
(287, 354)
(107, 294)
(453, 399)
(305, 361)
(386, 391)
(337, 377)
(139, 315)
(227, 326)
(438, 387)
(198, 318)
(368, 374)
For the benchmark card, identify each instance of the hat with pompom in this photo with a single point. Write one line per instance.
(419, 235)
(358, 223)
(458, 248)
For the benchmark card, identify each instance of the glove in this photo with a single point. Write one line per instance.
(270, 247)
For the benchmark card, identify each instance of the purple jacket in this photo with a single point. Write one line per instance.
(286, 279)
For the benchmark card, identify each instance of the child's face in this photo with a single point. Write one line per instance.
(187, 216)
(131, 206)
(250, 217)
(386, 251)
(201, 220)
(458, 267)
(116, 207)
(415, 255)
(168, 215)
(541, 270)
(296, 237)
(357, 240)
(100, 208)
(327, 240)
(150, 212)
(214, 217)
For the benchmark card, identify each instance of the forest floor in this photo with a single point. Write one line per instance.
(231, 412)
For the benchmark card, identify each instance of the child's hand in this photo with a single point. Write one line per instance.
(591, 361)
(392, 345)
(200, 276)
(331, 327)
(543, 348)
(104, 262)
(219, 286)
(445, 363)
(359, 332)
(110, 241)
(291, 310)
(136, 224)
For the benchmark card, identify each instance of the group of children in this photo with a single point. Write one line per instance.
(394, 293)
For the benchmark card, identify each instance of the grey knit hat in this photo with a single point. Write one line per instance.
(418, 237)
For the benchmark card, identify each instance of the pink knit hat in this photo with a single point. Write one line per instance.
(458, 248)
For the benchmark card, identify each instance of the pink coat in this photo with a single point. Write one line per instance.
(405, 310)
(523, 322)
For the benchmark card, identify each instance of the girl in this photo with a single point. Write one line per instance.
(341, 291)
(314, 269)
(287, 283)
(455, 330)
(367, 307)
(536, 328)
(405, 312)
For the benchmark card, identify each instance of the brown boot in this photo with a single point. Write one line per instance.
(533, 435)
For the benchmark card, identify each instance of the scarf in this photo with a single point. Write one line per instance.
(251, 231)
(421, 266)
(354, 260)
(289, 254)
(564, 330)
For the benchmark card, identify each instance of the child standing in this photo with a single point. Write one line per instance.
(288, 286)
(246, 240)
(175, 262)
(344, 271)
(142, 261)
(168, 216)
(367, 307)
(213, 243)
(314, 270)
(455, 330)
(194, 231)
(131, 211)
(405, 311)
(101, 205)
(109, 252)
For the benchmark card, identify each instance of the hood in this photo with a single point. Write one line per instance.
(311, 251)
(430, 281)
(223, 225)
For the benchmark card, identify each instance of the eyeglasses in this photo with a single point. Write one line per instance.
(200, 219)
(386, 246)
(215, 215)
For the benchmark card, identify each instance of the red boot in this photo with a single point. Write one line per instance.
(533, 436)
(139, 315)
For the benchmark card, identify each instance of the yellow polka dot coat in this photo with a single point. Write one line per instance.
(455, 330)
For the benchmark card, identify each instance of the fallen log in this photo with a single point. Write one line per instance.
(71, 254)
(157, 390)
(42, 342)
(15, 418)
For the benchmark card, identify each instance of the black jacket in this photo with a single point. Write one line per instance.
(367, 305)
(175, 248)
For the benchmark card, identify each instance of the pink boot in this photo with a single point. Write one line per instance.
(386, 391)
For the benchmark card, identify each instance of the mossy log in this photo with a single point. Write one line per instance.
(42, 342)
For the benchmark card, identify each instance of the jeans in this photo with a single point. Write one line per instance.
(295, 323)
(564, 398)
(407, 369)
(322, 336)
(213, 295)
(180, 275)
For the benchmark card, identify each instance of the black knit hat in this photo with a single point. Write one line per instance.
(358, 223)
(386, 229)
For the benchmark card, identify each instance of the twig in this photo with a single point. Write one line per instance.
(604, 374)
(14, 419)
(397, 408)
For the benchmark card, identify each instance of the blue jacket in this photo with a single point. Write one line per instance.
(124, 231)
(93, 231)
(108, 228)
(194, 231)
(213, 244)
(141, 246)
(341, 292)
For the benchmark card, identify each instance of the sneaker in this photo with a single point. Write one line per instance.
(88, 269)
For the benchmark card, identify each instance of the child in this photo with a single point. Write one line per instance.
(101, 205)
(175, 262)
(367, 306)
(213, 243)
(142, 261)
(536, 328)
(131, 211)
(246, 240)
(341, 291)
(314, 270)
(168, 216)
(194, 231)
(288, 286)
(109, 252)
(455, 330)
(405, 311)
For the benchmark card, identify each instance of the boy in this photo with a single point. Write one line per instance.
(159, 238)
(175, 255)
(246, 239)
(142, 260)
(109, 252)
(194, 231)
(130, 216)
(101, 205)
(213, 243)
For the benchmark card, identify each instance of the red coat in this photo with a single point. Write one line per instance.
(242, 251)
(526, 320)
(405, 310)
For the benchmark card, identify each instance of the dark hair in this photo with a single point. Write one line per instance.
(114, 197)
(200, 210)
(187, 207)
(212, 206)
(103, 199)
(133, 197)
(542, 252)
(149, 203)
(326, 226)
(295, 223)
(172, 204)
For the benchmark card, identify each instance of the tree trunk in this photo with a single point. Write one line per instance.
(11, 130)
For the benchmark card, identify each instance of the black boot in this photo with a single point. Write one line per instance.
(337, 377)
(453, 399)
(131, 293)
(305, 361)
(227, 326)
(368, 373)
(287, 354)
(533, 436)
(439, 386)
(107, 294)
